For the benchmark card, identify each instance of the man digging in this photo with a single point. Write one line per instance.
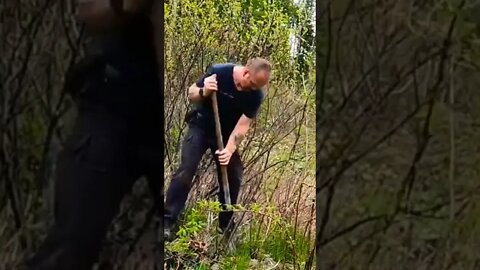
(239, 98)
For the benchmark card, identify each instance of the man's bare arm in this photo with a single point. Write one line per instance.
(210, 84)
(194, 93)
(238, 134)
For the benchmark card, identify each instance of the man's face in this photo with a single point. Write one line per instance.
(254, 80)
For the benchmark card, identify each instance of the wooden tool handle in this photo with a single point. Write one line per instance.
(218, 131)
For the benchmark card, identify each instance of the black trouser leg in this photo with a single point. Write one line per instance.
(193, 148)
(235, 175)
(92, 178)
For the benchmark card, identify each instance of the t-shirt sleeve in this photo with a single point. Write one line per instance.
(253, 107)
(210, 71)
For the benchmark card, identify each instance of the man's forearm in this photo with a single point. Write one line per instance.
(236, 139)
(238, 133)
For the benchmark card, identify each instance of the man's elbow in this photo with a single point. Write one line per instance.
(191, 95)
(243, 128)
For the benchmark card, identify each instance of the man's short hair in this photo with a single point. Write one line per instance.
(258, 63)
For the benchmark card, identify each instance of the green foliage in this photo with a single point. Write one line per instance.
(202, 267)
(238, 262)
(266, 236)
(281, 242)
(194, 222)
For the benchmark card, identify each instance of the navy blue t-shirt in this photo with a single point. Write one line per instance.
(231, 102)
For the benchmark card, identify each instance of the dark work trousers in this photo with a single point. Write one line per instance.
(108, 150)
(194, 146)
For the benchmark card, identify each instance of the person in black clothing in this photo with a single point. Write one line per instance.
(239, 98)
(116, 139)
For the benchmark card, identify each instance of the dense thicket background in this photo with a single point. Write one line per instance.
(278, 154)
(41, 40)
(398, 135)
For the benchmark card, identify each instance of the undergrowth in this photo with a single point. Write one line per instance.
(263, 239)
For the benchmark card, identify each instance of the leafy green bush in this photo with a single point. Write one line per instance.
(265, 237)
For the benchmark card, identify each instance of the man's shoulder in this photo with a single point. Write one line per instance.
(221, 67)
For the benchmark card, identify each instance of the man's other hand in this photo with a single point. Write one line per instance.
(224, 156)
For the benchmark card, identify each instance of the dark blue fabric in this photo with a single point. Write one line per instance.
(231, 102)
